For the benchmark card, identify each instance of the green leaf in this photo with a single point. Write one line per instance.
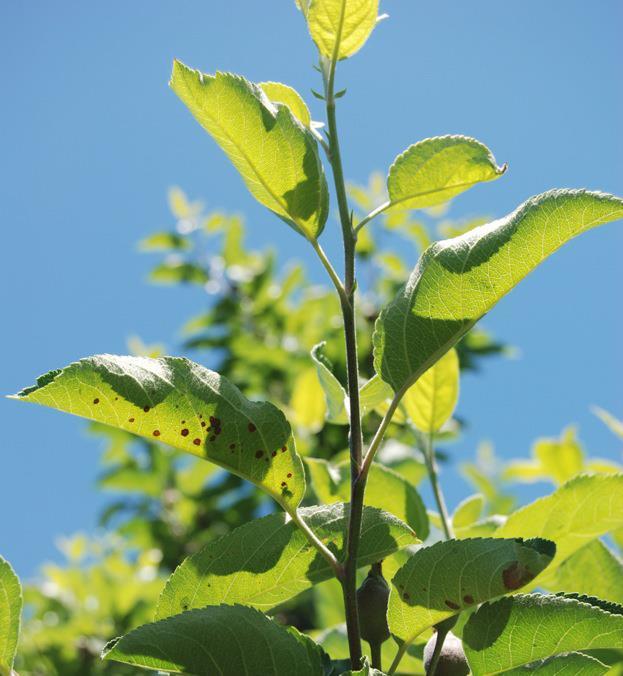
(308, 408)
(10, 614)
(335, 395)
(436, 169)
(613, 424)
(269, 560)
(468, 511)
(514, 631)
(275, 154)
(458, 280)
(578, 512)
(220, 640)
(431, 400)
(571, 664)
(593, 570)
(281, 93)
(164, 241)
(187, 406)
(177, 271)
(340, 27)
(440, 581)
(385, 489)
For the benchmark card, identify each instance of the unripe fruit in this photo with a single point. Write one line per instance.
(452, 660)
(372, 599)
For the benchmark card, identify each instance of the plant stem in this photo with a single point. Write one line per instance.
(318, 544)
(349, 582)
(337, 282)
(373, 214)
(441, 637)
(375, 655)
(431, 466)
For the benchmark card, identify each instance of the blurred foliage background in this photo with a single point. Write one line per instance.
(258, 322)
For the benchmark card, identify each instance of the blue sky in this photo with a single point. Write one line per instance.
(92, 137)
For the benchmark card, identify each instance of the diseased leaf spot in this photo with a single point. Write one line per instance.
(284, 449)
(259, 454)
(212, 438)
(96, 400)
(250, 426)
(184, 432)
(468, 598)
(405, 596)
(274, 453)
(203, 423)
(131, 420)
(289, 475)
(452, 605)
(146, 409)
(516, 575)
(196, 442)
(156, 433)
(232, 446)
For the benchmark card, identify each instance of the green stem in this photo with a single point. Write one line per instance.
(373, 214)
(337, 282)
(349, 582)
(431, 466)
(318, 544)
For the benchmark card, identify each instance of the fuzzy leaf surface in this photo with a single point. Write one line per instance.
(218, 640)
(436, 169)
(269, 560)
(519, 630)
(185, 405)
(459, 280)
(440, 581)
(275, 154)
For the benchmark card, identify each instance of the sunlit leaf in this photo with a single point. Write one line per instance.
(268, 561)
(522, 629)
(340, 27)
(468, 511)
(164, 241)
(281, 93)
(218, 639)
(307, 403)
(385, 489)
(569, 664)
(459, 280)
(440, 581)
(434, 170)
(275, 154)
(185, 405)
(335, 395)
(430, 402)
(593, 570)
(578, 512)
(10, 615)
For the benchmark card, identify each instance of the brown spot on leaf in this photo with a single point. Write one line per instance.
(284, 449)
(452, 605)
(468, 598)
(156, 433)
(289, 475)
(184, 432)
(405, 596)
(203, 423)
(96, 400)
(196, 442)
(259, 454)
(130, 419)
(251, 427)
(232, 446)
(146, 409)
(516, 575)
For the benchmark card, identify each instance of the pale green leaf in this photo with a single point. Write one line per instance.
(185, 405)
(385, 489)
(522, 629)
(468, 511)
(164, 241)
(340, 27)
(10, 614)
(448, 577)
(436, 169)
(281, 93)
(593, 570)
(308, 408)
(458, 280)
(613, 424)
(268, 561)
(430, 402)
(218, 640)
(275, 154)
(578, 512)
(570, 664)
(335, 395)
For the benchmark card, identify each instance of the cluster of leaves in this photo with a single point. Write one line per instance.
(230, 606)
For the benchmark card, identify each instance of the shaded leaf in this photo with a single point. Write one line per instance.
(10, 614)
(335, 395)
(185, 405)
(218, 639)
(458, 280)
(281, 93)
(448, 577)
(436, 169)
(519, 630)
(269, 560)
(276, 156)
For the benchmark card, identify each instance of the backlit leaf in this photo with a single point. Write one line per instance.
(268, 561)
(218, 640)
(436, 169)
(431, 400)
(275, 154)
(570, 664)
(440, 581)
(281, 93)
(335, 395)
(522, 629)
(307, 403)
(468, 511)
(458, 280)
(578, 512)
(10, 614)
(340, 27)
(185, 405)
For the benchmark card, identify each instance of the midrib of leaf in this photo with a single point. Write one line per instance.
(425, 193)
(338, 36)
(248, 160)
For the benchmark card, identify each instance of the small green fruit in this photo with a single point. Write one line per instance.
(452, 660)
(372, 599)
